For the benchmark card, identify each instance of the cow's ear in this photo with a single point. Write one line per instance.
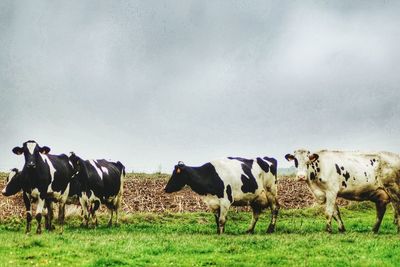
(44, 150)
(180, 164)
(289, 157)
(18, 150)
(179, 168)
(313, 157)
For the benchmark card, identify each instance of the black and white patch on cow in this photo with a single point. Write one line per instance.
(232, 181)
(350, 175)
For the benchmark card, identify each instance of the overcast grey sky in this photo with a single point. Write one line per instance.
(153, 82)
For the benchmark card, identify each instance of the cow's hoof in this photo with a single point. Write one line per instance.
(271, 229)
(250, 231)
(38, 231)
(342, 230)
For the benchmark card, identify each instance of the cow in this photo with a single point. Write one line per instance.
(351, 175)
(15, 182)
(231, 181)
(100, 181)
(47, 177)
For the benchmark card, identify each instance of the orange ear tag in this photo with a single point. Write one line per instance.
(178, 170)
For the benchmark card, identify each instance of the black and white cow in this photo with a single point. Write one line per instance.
(46, 177)
(350, 175)
(14, 183)
(17, 181)
(231, 182)
(100, 181)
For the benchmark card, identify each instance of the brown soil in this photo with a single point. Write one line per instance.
(144, 193)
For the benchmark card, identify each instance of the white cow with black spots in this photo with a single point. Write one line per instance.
(351, 175)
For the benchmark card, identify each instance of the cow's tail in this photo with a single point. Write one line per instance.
(121, 168)
(276, 171)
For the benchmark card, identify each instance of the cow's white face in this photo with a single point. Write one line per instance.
(302, 160)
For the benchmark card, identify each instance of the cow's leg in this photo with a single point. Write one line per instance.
(111, 216)
(380, 212)
(116, 216)
(62, 217)
(46, 215)
(329, 210)
(223, 211)
(117, 206)
(381, 199)
(256, 214)
(216, 215)
(394, 215)
(84, 204)
(50, 214)
(274, 205)
(397, 207)
(27, 202)
(338, 218)
(393, 191)
(39, 210)
(61, 213)
(95, 207)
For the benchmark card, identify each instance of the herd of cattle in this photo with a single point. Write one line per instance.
(222, 183)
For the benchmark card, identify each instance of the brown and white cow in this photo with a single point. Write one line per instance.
(351, 175)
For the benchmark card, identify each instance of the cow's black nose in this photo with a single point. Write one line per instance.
(31, 165)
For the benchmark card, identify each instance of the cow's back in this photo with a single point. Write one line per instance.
(112, 179)
(389, 168)
(352, 174)
(104, 178)
(63, 171)
(246, 178)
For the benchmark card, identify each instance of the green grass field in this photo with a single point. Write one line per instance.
(189, 239)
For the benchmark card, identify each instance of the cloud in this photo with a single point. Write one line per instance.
(150, 84)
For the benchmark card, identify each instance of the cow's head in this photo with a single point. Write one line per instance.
(77, 164)
(31, 151)
(302, 160)
(178, 178)
(13, 183)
